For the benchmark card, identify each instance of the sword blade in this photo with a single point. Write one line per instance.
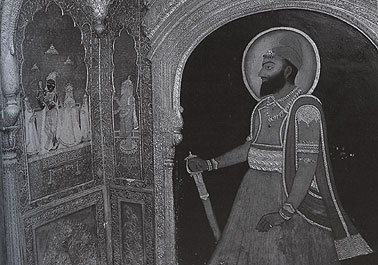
(204, 195)
(212, 220)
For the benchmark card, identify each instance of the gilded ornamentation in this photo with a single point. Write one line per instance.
(187, 23)
(9, 142)
(158, 12)
(82, 22)
(9, 81)
(132, 226)
(99, 7)
(308, 114)
(99, 11)
(307, 148)
(130, 170)
(265, 160)
(350, 245)
(17, 187)
(72, 226)
(306, 160)
(132, 241)
(284, 104)
(69, 238)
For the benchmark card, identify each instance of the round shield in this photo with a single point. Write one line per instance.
(308, 74)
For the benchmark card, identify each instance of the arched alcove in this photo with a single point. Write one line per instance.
(173, 44)
(217, 116)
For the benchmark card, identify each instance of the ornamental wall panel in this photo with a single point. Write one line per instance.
(79, 68)
(58, 140)
(119, 68)
(69, 233)
(132, 223)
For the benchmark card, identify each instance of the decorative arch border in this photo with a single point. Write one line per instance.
(172, 42)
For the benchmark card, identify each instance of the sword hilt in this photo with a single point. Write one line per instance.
(190, 156)
(197, 175)
(204, 195)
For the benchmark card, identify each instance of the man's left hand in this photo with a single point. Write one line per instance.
(268, 221)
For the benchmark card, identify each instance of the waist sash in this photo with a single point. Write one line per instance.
(265, 159)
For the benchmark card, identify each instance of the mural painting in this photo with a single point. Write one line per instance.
(126, 107)
(281, 196)
(68, 240)
(56, 103)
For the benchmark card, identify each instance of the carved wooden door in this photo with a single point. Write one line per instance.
(78, 171)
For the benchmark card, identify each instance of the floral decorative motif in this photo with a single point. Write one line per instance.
(308, 114)
(99, 8)
(68, 240)
(132, 243)
(132, 226)
(66, 230)
(129, 150)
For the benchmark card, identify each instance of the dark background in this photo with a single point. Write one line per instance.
(51, 27)
(217, 114)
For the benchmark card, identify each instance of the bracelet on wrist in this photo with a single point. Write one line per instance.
(209, 165)
(284, 215)
(214, 163)
(288, 207)
(287, 211)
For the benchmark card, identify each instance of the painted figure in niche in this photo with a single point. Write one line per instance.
(127, 114)
(287, 210)
(84, 119)
(69, 134)
(32, 138)
(48, 99)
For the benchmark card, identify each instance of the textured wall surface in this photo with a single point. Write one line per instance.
(78, 174)
(125, 183)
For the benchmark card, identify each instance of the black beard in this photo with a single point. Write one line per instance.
(272, 85)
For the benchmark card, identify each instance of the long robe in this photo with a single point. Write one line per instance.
(70, 134)
(84, 120)
(32, 139)
(264, 189)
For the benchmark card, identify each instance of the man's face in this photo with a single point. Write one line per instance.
(272, 76)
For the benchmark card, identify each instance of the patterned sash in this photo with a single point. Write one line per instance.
(265, 160)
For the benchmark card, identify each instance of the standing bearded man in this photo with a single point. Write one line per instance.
(286, 210)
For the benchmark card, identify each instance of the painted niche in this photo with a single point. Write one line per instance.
(56, 102)
(126, 106)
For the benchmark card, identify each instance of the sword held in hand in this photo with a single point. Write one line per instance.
(204, 195)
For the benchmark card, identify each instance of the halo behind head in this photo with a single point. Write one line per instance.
(288, 43)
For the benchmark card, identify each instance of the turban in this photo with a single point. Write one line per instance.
(288, 48)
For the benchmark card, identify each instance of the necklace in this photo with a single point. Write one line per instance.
(295, 90)
(284, 109)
